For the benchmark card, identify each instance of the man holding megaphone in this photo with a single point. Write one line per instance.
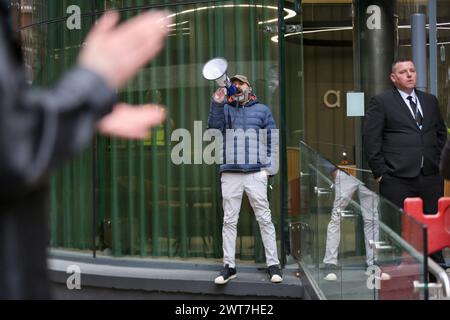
(241, 91)
(236, 111)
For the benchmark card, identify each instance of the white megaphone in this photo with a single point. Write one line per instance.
(216, 69)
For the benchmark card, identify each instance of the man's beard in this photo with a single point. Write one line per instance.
(242, 96)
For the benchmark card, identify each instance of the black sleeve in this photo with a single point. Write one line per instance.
(40, 129)
(441, 127)
(445, 161)
(373, 137)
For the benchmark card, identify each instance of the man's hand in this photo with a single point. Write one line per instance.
(379, 179)
(265, 172)
(269, 178)
(219, 95)
(131, 122)
(116, 52)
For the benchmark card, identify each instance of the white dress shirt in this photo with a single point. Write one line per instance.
(419, 108)
(415, 99)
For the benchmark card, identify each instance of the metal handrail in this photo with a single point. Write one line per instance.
(440, 274)
(416, 254)
(442, 284)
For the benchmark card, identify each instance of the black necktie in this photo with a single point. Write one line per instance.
(417, 116)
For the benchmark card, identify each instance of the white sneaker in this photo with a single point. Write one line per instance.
(275, 274)
(330, 277)
(225, 275)
(331, 271)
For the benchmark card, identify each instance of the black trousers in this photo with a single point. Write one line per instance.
(430, 188)
(24, 237)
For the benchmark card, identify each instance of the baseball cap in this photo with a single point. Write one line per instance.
(240, 77)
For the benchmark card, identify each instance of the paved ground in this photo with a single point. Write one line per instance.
(105, 277)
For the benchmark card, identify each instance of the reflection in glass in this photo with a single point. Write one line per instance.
(345, 186)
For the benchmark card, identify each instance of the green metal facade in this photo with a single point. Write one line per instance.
(127, 196)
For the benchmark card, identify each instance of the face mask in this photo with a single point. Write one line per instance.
(244, 97)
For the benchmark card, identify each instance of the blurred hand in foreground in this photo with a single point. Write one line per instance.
(131, 122)
(116, 52)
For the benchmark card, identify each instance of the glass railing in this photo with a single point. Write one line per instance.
(353, 244)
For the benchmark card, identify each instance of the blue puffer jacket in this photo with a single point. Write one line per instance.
(248, 119)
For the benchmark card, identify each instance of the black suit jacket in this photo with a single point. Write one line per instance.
(394, 144)
(445, 161)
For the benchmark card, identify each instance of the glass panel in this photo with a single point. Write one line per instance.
(145, 204)
(443, 62)
(328, 75)
(359, 226)
(292, 83)
(328, 230)
(406, 9)
(49, 50)
(400, 254)
(362, 246)
(306, 243)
